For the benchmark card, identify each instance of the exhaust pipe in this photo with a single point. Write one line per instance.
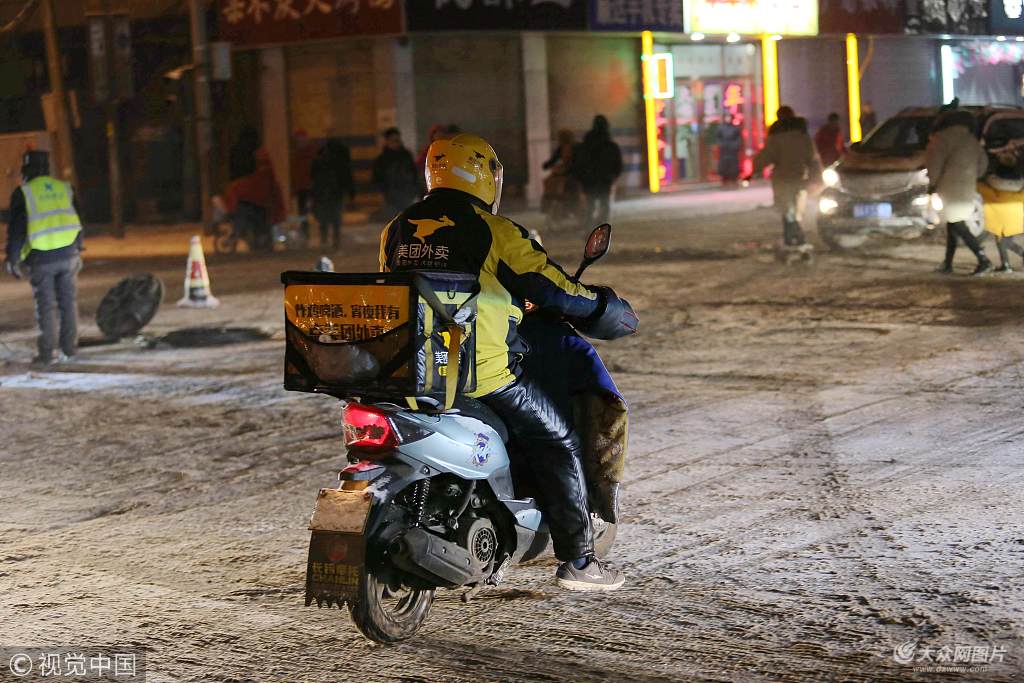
(431, 557)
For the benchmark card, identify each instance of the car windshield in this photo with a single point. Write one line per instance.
(899, 135)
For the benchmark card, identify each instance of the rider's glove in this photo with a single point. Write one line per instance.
(13, 269)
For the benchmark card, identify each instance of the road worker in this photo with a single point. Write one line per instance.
(44, 234)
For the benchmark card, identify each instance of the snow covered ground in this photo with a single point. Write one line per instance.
(825, 465)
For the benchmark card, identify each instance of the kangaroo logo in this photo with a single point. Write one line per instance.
(425, 227)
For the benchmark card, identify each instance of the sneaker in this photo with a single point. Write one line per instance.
(944, 268)
(66, 358)
(1005, 268)
(593, 577)
(42, 362)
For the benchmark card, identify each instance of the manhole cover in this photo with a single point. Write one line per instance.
(129, 306)
(213, 336)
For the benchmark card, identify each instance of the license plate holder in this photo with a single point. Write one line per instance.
(873, 210)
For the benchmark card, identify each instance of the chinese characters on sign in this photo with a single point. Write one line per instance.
(636, 15)
(364, 321)
(507, 15)
(334, 574)
(254, 22)
(787, 17)
(347, 312)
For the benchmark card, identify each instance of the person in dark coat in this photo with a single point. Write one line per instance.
(331, 177)
(242, 156)
(394, 172)
(789, 150)
(597, 163)
(829, 141)
(730, 142)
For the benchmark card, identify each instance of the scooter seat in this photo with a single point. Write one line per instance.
(473, 408)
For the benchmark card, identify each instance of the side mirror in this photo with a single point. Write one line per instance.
(598, 243)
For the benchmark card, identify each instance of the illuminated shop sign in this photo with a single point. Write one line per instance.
(627, 15)
(662, 80)
(752, 17)
(1006, 17)
(261, 22)
(495, 15)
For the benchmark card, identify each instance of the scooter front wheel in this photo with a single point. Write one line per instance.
(386, 611)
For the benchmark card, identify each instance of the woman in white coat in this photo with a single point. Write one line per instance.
(955, 161)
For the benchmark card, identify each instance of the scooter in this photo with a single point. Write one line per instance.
(431, 500)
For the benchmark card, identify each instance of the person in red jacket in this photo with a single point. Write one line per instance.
(255, 202)
(829, 141)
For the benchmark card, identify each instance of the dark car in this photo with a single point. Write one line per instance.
(880, 187)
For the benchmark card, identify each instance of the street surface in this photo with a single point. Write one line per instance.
(825, 464)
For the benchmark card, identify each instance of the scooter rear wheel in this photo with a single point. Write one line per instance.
(386, 611)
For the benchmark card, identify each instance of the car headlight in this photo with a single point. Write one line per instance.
(827, 205)
(830, 177)
(920, 200)
(937, 202)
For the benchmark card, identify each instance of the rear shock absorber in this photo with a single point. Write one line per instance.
(420, 500)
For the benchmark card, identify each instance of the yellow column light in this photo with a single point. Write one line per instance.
(650, 111)
(853, 86)
(770, 77)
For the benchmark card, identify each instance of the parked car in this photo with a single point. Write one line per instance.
(880, 187)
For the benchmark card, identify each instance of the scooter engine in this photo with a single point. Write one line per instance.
(480, 539)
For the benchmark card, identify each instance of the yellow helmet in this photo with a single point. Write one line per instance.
(467, 163)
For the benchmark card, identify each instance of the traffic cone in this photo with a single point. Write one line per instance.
(197, 279)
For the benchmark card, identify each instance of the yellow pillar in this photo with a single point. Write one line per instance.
(853, 86)
(770, 77)
(650, 111)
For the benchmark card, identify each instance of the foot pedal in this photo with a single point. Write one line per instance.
(499, 575)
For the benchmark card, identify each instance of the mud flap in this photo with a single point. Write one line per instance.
(337, 547)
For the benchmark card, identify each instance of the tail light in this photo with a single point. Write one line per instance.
(368, 428)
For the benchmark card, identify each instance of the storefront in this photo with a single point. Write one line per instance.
(714, 87)
(716, 82)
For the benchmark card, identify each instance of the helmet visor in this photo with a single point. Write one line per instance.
(499, 178)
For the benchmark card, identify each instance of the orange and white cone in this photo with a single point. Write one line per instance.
(197, 279)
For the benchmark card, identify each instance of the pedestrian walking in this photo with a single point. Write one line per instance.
(729, 137)
(790, 152)
(331, 174)
(596, 165)
(44, 232)
(955, 160)
(829, 141)
(1002, 190)
(394, 173)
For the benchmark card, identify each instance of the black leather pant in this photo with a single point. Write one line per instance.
(545, 439)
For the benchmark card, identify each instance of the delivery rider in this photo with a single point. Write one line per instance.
(456, 227)
(44, 233)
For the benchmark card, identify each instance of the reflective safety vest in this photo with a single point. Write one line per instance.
(53, 222)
